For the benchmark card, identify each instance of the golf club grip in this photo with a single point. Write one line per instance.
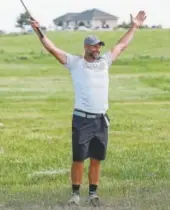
(40, 32)
(38, 29)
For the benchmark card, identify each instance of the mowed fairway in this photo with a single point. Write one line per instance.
(36, 103)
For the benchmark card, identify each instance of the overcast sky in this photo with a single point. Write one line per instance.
(46, 10)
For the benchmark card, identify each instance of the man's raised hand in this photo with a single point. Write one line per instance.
(35, 24)
(138, 20)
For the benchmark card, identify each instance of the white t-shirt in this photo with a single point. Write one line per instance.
(90, 81)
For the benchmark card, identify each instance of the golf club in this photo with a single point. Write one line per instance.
(38, 29)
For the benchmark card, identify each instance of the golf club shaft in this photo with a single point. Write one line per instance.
(38, 29)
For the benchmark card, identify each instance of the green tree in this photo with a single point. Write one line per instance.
(127, 25)
(23, 20)
(60, 23)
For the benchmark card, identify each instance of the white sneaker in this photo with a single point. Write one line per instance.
(74, 200)
(94, 200)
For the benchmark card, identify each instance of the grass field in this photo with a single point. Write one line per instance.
(36, 103)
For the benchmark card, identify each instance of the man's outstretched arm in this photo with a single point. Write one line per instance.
(51, 48)
(125, 40)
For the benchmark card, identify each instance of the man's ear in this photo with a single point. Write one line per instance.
(86, 48)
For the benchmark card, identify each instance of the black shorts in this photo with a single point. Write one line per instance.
(89, 137)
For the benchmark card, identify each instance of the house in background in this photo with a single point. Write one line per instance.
(93, 18)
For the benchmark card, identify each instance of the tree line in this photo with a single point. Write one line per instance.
(24, 18)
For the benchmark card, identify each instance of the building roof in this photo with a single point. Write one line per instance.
(92, 14)
(95, 14)
(66, 17)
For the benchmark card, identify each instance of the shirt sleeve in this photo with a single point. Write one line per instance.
(70, 60)
(108, 58)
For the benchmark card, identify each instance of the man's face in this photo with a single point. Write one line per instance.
(93, 51)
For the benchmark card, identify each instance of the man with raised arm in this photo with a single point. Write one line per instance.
(90, 120)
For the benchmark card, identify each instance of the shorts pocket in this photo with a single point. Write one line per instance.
(78, 122)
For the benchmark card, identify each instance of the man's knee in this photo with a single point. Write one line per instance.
(77, 163)
(94, 162)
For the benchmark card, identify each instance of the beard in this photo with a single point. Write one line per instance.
(94, 55)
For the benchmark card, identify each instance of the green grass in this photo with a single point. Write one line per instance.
(36, 103)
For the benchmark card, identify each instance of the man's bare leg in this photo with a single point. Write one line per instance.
(77, 175)
(94, 175)
(76, 178)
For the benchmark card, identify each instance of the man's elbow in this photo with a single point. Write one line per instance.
(122, 46)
